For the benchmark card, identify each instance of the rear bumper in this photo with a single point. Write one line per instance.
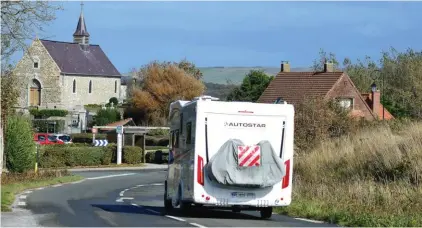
(224, 202)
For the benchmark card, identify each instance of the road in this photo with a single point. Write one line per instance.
(131, 199)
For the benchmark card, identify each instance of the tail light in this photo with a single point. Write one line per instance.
(286, 178)
(200, 170)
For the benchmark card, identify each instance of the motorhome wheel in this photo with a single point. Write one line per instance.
(266, 212)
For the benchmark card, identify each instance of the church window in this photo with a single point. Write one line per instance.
(115, 86)
(74, 86)
(36, 62)
(90, 87)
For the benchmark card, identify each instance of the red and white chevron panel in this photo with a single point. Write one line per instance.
(249, 155)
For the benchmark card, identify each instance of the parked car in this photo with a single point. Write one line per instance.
(46, 139)
(63, 137)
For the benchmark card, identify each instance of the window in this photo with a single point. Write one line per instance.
(74, 86)
(36, 62)
(189, 133)
(90, 87)
(346, 103)
(181, 123)
(115, 86)
(41, 138)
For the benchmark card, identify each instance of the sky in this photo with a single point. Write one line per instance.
(241, 33)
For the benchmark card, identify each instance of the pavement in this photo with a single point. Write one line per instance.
(130, 198)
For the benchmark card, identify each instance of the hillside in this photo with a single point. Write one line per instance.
(221, 75)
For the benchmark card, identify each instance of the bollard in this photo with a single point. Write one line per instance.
(37, 158)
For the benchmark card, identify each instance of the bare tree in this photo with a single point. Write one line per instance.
(22, 20)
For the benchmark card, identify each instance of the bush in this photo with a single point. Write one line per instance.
(131, 154)
(19, 144)
(45, 113)
(158, 132)
(48, 126)
(156, 141)
(86, 137)
(106, 116)
(113, 101)
(55, 156)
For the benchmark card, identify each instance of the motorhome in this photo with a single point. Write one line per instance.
(230, 155)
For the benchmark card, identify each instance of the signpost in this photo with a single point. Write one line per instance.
(119, 131)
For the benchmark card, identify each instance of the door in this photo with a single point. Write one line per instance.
(35, 93)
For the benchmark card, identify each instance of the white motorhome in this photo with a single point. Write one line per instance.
(230, 155)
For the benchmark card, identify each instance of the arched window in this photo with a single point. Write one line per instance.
(90, 86)
(115, 86)
(35, 93)
(74, 86)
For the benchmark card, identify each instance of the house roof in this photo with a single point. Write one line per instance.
(118, 123)
(368, 99)
(296, 86)
(73, 58)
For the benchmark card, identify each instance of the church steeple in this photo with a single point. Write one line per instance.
(81, 34)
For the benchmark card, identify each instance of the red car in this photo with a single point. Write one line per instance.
(46, 139)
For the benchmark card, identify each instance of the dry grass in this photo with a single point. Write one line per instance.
(373, 178)
(13, 183)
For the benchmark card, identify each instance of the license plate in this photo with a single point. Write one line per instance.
(243, 195)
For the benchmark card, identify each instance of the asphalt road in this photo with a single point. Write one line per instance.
(132, 199)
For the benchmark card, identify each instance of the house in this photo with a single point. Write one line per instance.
(68, 75)
(294, 87)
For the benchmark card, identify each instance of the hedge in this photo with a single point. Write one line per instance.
(47, 126)
(45, 113)
(55, 156)
(156, 141)
(86, 137)
(154, 157)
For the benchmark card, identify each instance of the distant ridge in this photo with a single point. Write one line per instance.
(235, 75)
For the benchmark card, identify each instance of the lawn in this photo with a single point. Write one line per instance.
(369, 179)
(13, 184)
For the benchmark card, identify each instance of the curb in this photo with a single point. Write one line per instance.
(20, 198)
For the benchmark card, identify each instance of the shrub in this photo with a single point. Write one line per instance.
(158, 132)
(19, 144)
(131, 154)
(106, 116)
(86, 137)
(48, 126)
(113, 101)
(156, 141)
(45, 113)
(54, 156)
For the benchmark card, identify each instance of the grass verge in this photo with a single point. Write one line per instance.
(103, 166)
(9, 190)
(368, 179)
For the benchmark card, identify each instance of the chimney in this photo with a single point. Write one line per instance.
(285, 66)
(329, 66)
(376, 99)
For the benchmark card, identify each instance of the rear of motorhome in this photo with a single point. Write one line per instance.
(232, 155)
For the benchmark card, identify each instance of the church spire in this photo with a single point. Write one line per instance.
(81, 34)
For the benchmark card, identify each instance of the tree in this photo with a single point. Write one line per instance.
(318, 64)
(106, 116)
(20, 20)
(162, 84)
(252, 87)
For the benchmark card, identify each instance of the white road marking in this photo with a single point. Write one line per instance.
(27, 192)
(196, 224)
(57, 185)
(22, 197)
(21, 203)
(309, 220)
(157, 184)
(109, 176)
(40, 188)
(140, 185)
(175, 218)
(123, 198)
(134, 204)
(156, 212)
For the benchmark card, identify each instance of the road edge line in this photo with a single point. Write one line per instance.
(175, 218)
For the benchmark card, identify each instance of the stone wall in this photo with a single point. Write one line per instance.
(47, 74)
(101, 91)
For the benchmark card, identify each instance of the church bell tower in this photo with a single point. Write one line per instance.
(81, 35)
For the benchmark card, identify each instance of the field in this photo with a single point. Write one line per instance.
(370, 179)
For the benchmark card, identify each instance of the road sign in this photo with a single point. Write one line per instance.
(94, 130)
(119, 129)
(100, 143)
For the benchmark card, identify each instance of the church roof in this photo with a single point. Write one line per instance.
(73, 58)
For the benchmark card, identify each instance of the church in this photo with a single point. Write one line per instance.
(68, 75)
